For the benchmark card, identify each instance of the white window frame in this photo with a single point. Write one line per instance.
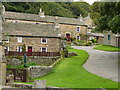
(77, 29)
(19, 39)
(76, 37)
(43, 47)
(8, 48)
(18, 48)
(44, 42)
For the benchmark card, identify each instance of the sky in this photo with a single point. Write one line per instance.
(88, 1)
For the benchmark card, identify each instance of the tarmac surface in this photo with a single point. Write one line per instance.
(102, 63)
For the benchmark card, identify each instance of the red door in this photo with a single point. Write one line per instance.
(29, 51)
(68, 37)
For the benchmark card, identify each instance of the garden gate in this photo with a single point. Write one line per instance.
(19, 74)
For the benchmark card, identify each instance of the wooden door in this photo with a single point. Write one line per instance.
(29, 51)
(68, 37)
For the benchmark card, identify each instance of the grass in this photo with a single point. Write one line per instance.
(107, 48)
(69, 73)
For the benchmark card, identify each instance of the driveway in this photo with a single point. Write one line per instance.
(101, 63)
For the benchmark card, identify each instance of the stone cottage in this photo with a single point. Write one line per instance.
(111, 39)
(69, 27)
(27, 37)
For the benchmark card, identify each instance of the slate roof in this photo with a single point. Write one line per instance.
(34, 17)
(26, 29)
(96, 34)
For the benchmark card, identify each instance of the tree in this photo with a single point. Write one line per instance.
(114, 24)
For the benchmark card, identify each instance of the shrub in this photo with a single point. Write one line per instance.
(88, 43)
(94, 40)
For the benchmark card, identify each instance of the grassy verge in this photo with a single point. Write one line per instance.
(69, 73)
(107, 48)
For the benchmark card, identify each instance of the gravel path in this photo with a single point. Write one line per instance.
(101, 63)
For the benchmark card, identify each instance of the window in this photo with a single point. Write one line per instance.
(19, 48)
(108, 37)
(6, 48)
(77, 37)
(43, 49)
(78, 29)
(19, 39)
(44, 40)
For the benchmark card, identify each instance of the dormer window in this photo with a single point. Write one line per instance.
(44, 40)
(19, 39)
(78, 29)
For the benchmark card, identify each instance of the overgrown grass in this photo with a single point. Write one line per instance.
(69, 73)
(106, 48)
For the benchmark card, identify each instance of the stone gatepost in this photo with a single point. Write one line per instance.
(2, 55)
(40, 84)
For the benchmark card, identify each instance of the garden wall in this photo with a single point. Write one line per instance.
(37, 59)
(38, 71)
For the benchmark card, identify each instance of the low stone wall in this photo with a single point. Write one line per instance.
(42, 60)
(38, 71)
(72, 54)
(37, 59)
(22, 86)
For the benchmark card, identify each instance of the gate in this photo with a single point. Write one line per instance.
(19, 74)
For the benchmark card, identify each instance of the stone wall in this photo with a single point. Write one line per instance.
(37, 59)
(38, 71)
(53, 44)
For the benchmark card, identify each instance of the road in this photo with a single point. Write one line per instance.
(101, 63)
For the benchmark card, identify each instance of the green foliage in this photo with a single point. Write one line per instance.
(88, 43)
(114, 24)
(24, 48)
(63, 9)
(106, 16)
(94, 41)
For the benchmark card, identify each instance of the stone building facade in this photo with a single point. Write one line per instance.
(69, 27)
(111, 39)
(31, 37)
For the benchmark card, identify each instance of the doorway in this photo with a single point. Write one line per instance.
(29, 50)
(68, 37)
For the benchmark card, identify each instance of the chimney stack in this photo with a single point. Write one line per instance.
(41, 14)
(56, 24)
(81, 18)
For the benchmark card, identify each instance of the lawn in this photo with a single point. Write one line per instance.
(69, 73)
(107, 48)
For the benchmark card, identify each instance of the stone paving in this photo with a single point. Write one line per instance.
(101, 63)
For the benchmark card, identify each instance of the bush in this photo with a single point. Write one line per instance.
(89, 43)
(79, 42)
(94, 40)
